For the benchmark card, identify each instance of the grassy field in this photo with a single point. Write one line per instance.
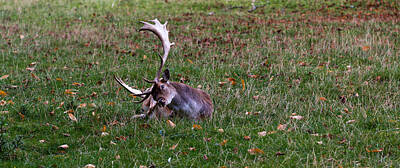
(294, 83)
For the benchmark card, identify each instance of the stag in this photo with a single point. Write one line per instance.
(165, 98)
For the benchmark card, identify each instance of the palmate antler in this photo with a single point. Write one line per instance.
(162, 33)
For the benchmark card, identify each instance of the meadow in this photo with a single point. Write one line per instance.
(294, 83)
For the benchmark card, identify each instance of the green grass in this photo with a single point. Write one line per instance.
(346, 52)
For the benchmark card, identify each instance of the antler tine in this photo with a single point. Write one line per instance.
(162, 33)
(133, 91)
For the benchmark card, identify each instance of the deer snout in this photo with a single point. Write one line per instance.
(161, 101)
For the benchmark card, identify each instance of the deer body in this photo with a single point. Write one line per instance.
(167, 98)
(190, 102)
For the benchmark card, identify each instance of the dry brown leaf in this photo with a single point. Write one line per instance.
(323, 99)
(296, 117)
(89, 166)
(222, 83)
(247, 137)
(281, 127)
(197, 127)
(243, 85)
(3, 103)
(366, 48)
(171, 124)
(104, 128)
(77, 84)
(59, 79)
(72, 117)
(92, 105)
(374, 151)
(173, 147)
(4, 112)
(350, 121)
(262, 133)
(65, 146)
(3, 93)
(190, 61)
(223, 142)
(82, 105)
(252, 76)
(111, 103)
(21, 115)
(221, 130)
(4, 77)
(271, 132)
(69, 92)
(255, 151)
(192, 148)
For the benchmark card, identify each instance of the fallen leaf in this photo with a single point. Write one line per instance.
(89, 166)
(4, 112)
(4, 77)
(54, 127)
(323, 99)
(3, 103)
(232, 80)
(104, 128)
(34, 76)
(92, 105)
(65, 146)
(111, 103)
(255, 151)
(350, 121)
(247, 137)
(69, 92)
(112, 143)
(59, 79)
(296, 117)
(21, 115)
(190, 61)
(192, 148)
(281, 127)
(30, 69)
(366, 48)
(72, 117)
(374, 151)
(262, 133)
(279, 153)
(33, 63)
(77, 84)
(171, 124)
(69, 111)
(198, 127)
(243, 85)
(223, 142)
(173, 147)
(252, 76)
(271, 132)
(221, 130)
(3, 93)
(42, 141)
(82, 105)
(301, 63)
(222, 83)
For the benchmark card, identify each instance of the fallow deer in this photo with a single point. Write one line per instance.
(165, 97)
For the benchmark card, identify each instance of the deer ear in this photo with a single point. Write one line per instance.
(166, 75)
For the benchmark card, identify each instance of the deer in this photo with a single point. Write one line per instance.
(166, 98)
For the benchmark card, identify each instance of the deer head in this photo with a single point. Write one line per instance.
(161, 90)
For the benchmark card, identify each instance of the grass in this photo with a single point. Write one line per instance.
(335, 63)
